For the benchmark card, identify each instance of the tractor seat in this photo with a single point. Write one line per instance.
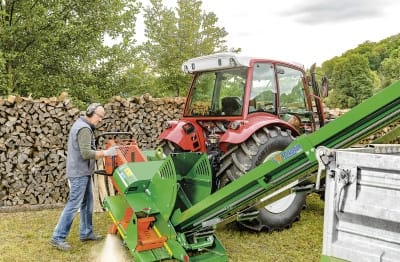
(231, 105)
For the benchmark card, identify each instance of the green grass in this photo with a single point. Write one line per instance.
(25, 236)
(301, 242)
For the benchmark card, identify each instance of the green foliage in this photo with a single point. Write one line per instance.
(174, 36)
(390, 67)
(47, 47)
(362, 71)
(352, 80)
(51, 46)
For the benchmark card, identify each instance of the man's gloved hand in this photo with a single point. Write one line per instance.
(112, 151)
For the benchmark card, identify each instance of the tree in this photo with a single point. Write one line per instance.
(390, 67)
(174, 36)
(352, 81)
(48, 46)
(382, 59)
(374, 52)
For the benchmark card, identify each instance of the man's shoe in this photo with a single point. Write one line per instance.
(92, 237)
(61, 245)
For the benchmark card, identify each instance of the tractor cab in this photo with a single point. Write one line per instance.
(233, 87)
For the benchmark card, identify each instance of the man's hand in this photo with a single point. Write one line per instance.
(112, 151)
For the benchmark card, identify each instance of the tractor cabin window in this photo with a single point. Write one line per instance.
(292, 102)
(217, 93)
(263, 89)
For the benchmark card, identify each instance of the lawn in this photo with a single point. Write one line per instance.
(25, 236)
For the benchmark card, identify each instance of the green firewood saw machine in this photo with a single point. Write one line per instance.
(165, 207)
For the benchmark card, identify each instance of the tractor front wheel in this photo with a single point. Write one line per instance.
(259, 148)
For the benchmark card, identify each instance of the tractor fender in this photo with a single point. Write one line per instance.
(183, 133)
(251, 125)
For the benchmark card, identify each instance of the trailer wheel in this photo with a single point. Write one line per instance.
(260, 147)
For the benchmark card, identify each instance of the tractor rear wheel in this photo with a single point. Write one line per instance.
(260, 147)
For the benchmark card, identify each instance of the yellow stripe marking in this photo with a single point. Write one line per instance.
(117, 223)
(165, 243)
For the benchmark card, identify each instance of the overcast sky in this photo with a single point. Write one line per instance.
(303, 31)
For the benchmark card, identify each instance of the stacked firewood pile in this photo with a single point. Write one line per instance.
(34, 134)
(143, 116)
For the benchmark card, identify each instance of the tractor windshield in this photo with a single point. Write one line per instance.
(217, 93)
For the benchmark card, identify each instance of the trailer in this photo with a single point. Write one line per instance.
(362, 210)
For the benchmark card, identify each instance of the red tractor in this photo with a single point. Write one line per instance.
(243, 111)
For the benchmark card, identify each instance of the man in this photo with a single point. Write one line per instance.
(81, 158)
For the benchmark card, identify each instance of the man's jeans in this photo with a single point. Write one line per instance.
(80, 196)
